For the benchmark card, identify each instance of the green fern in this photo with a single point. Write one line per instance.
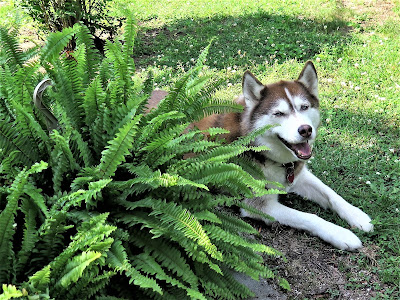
(7, 216)
(56, 42)
(75, 268)
(119, 147)
(117, 210)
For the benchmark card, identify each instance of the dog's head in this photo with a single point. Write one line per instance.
(292, 105)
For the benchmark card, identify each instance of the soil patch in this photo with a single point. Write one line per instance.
(371, 13)
(316, 270)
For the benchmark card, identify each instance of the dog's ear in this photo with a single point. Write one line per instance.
(253, 89)
(309, 78)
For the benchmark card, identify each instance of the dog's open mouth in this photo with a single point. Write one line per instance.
(301, 150)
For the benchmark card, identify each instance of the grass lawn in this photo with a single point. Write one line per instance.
(355, 46)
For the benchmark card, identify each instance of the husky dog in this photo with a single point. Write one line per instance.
(294, 107)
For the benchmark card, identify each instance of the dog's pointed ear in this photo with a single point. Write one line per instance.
(309, 78)
(253, 89)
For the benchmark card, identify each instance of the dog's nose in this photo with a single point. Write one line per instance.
(305, 131)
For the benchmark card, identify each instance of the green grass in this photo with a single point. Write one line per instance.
(358, 148)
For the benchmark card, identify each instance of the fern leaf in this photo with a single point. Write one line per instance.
(118, 148)
(146, 263)
(75, 268)
(23, 87)
(182, 220)
(39, 136)
(87, 196)
(11, 140)
(92, 57)
(117, 259)
(234, 224)
(30, 236)
(10, 291)
(56, 42)
(127, 48)
(93, 98)
(172, 102)
(63, 147)
(168, 255)
(155, 179)
(13, 53)
(7, 216)
(83, 149)
(41, 278)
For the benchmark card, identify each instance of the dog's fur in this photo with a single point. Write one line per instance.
(294, 107)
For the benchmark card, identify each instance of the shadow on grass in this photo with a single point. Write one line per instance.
(239, 41)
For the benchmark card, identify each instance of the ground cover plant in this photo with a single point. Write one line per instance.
(354, 44)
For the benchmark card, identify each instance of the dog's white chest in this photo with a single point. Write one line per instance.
(276, 173)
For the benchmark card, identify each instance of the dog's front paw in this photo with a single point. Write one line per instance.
(360, 219)
(341, 238)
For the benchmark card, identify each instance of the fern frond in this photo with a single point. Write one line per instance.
(41, 278)
(91, 233)
(88, 196)
(89, 65)
(214, 285)
(240, 290)
(168, 256)
(154, 179)
(165, 137)
(93, 99)
(118, 260)
(13, 53)
(147, 264)
(29, 127)
(234, 224)
(67, 92)
(127, 48)
(23, 89)
(83, 150)
(217, 233)
(172, 102)
(182, 220)
(155, 123)
(118, 148)
(7, 216)
(11, 140)
(10, 292)
(56, 42)
(75, 268)
(51, 241)
(90, 285)
(229, 175)
(30, 236)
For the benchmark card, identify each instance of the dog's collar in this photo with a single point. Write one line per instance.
(291, 169)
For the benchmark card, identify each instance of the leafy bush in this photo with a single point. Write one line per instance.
(56, 15)
(97, 202)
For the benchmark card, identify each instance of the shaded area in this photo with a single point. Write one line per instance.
(248, 40)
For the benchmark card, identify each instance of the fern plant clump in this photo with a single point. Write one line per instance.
(97, 200)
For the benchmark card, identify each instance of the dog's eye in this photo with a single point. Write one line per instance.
(304, 107)
(279, 114)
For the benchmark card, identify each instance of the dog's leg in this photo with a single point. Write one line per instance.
(309, 186)
(337, 236)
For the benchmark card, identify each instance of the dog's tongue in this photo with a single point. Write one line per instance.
(303, 150)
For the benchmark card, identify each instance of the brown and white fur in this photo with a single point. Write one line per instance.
(294, 107)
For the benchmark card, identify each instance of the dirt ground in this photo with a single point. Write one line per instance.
(315, 270)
